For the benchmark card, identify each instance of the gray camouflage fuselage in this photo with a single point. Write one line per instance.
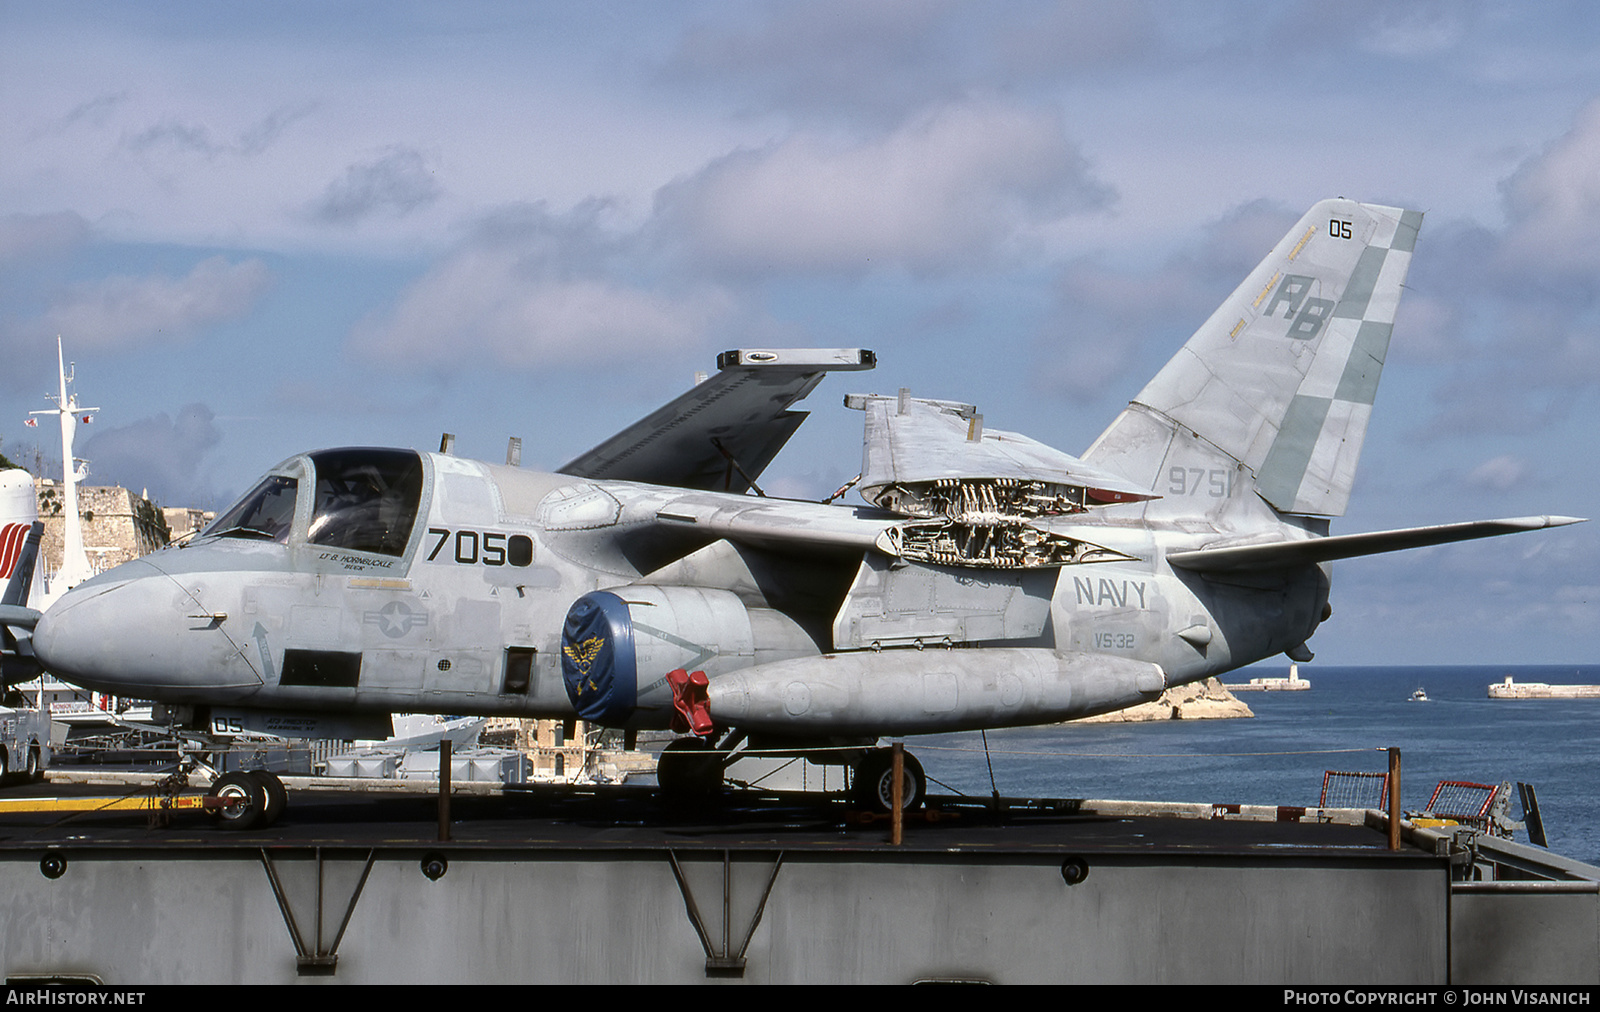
(992, 581)
(209, 623)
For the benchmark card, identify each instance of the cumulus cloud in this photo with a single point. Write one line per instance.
(119, 311)
(1428, 326)
(1510, 313)
(816, 56)
(1507, 591)
(1553, 202)
(879, 61)
(396, 184)
(1103, 317)
(953, 184)
(162, 452)
(530, 288)
(948, 189)
(484, 301)
(1499, 474)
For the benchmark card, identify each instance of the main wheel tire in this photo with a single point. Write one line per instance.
(689, 768)
(874, 781)
(250, 796)
(34, 764)
(277, 796)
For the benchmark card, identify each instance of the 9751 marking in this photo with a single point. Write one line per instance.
(1216, 482)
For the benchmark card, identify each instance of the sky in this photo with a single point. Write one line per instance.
(261, 229)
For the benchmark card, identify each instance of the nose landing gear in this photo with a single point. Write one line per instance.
(256, 799)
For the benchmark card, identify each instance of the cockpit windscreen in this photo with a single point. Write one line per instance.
(367, 499)
(266, 512)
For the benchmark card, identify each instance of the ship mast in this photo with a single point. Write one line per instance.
(74, 560)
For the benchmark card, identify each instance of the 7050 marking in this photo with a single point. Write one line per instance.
(491, 548)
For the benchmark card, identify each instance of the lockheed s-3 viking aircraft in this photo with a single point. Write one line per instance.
(989, 580)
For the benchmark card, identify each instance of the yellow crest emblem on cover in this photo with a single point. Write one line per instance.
(582, 655)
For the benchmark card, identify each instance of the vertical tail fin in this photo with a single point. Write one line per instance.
(20, 531)
(1276, 388)
(19, 551)
(19, 535)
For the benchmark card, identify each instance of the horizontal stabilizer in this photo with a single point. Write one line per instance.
(18, 616)
(720, 434)
(17, 663)
(1285, 554)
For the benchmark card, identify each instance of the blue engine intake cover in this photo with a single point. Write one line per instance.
(598, 664)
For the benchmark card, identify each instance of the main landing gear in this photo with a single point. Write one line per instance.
(692, 769)
(872, 781)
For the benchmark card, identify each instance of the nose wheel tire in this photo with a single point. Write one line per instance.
(277, 796)
(250, 800)
(874, 781)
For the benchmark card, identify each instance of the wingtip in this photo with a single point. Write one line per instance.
(1543, 522)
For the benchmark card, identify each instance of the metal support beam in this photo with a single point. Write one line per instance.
(721, 959)
(315, 960)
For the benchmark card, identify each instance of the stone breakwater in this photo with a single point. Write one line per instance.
(1204, 700)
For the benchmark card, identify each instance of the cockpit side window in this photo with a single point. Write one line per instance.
(367, 499)
(267, 512)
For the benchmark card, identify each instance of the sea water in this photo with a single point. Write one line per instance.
(1342, 723)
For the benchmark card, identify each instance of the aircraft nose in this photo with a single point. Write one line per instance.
(137, 632)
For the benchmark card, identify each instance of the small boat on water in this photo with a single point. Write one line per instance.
(1420, 696)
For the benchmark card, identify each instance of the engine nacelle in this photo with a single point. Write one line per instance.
(895, 692)
(617, 647)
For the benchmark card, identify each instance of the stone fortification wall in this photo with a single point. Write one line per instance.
(117, 524)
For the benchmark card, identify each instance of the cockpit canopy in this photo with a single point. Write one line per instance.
(365, 499)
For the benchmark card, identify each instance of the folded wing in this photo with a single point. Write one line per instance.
(721, 434)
